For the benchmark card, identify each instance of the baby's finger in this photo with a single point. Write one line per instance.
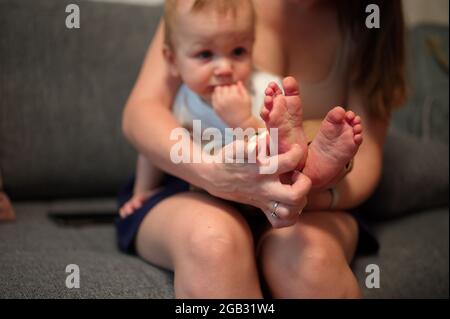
(226, 91)
(234, 90)
(242, 89)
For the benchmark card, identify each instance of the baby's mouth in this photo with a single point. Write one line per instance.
(221, 85)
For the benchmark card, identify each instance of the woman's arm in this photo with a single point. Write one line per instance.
(360, 183)
(147, 118)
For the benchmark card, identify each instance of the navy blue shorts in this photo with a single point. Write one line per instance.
(128, 227)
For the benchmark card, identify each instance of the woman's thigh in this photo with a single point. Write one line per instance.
(190, 221)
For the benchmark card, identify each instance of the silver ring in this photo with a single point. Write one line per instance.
(274, 211)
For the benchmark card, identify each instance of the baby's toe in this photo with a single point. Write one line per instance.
(356, 120)
(350, 116)
(269, 91)
(358, 139)
(265, 114)
(275, 88)
(336, 115)
(357, 129)
(127, 209)
(268, 102)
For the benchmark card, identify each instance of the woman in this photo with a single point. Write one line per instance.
(338, 61)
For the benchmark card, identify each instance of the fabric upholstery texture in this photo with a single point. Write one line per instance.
(62, 95)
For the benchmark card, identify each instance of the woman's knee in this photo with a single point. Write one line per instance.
(220, 234)
(325, 272)
(313, 265)
(218, 241)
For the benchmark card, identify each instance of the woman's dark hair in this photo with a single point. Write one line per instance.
(377, 67)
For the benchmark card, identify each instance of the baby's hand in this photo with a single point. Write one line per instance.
(233, 104)
(135, 203)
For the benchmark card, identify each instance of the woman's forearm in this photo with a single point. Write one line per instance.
(346, 195)
(148, 126)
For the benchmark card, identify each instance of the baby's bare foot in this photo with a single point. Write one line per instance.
(333, 147)
(284, 112)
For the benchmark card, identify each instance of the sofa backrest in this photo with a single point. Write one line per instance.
(62, 93)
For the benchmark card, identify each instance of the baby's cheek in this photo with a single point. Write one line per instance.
(243, 72)
(196, 83)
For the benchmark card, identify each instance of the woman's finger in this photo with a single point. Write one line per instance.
(289, 194)
(284, 163)
(277, 220)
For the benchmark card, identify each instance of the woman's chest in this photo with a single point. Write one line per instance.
(319, 75)
(312, 57)
(322, 84)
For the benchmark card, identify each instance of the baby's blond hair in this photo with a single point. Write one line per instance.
(221, 7)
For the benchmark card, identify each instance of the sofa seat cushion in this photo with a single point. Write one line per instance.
(35, 252)
(413, 257)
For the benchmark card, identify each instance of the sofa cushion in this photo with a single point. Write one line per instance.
(35, 252)
(415, 177)
(426, 112)
(63, 92)
(413, 257)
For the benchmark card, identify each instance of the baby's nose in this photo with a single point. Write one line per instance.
(223, 68)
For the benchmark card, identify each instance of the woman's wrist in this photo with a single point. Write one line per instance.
(205, 174)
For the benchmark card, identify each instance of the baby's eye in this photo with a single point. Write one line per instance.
(205, 55)
(238, 52)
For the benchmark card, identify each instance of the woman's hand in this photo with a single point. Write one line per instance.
(246, 183)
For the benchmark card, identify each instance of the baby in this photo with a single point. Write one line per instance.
(208, 44)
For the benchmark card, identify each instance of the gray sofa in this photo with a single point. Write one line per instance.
(63, 158)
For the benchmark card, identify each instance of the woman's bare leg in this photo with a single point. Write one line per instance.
(207, 244)
(311, 259)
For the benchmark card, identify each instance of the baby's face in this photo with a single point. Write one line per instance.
(213, 49)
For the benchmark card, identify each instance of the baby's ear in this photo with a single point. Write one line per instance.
(169, 56)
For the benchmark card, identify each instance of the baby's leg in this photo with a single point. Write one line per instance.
(311, 259)
(148, 176)
(207, 244)
(148, 179)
